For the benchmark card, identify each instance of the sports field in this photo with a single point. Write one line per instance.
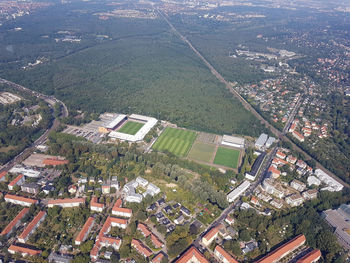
(176, 141)
(227, 157)
(202, 152)
(131, 127)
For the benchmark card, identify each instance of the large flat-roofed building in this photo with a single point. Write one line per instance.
(233, 141)
(333, 185)
(117, 120)
(18, 169)
(339, 219)
(283, 250)
(140, 134)
(251, 175)
(260, 142)
(237, 192)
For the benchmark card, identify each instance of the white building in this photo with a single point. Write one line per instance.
(74, 202)
(234, 194)
(297, 185)
(294, 200)
(18, 169)
(260, 142)
(269, 142)
(150, 123)
(333, 185)
(141, 181)
(233, 141)
(152, 190)
(19, 200)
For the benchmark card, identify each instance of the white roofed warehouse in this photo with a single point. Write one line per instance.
(233, 141)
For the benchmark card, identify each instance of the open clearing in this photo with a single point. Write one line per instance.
(227, 157)
(131, 127)
(202, 152)
(176, 141)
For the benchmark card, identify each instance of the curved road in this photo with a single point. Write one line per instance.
(276, 132)
(49, 100)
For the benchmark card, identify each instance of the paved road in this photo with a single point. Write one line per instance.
(49, 100)
(246, 105)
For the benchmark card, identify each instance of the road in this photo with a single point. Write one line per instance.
(49, 100)
(246, 105)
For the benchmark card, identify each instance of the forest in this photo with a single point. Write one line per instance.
(141, 68)
(15, 138)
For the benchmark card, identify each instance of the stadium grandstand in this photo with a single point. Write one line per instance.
(149, 123)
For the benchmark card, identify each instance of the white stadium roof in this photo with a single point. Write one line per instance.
(140, 134)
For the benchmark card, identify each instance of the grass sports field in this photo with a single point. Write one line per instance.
(227, 157)
(131, 127)
(202, 152)
(176, 141)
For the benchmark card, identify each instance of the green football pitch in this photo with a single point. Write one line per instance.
(131, 127)
(202, 152)
(176, 141)
(227, 157)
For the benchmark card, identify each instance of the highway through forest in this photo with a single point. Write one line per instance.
(276, 132)
(42, 139)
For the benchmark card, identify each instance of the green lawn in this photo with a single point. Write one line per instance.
(202, 152)
(131, 127)
(176, 141)
(227, 157)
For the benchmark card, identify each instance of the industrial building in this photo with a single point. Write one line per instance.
(233, 141)
(260, 142)
(339, 219)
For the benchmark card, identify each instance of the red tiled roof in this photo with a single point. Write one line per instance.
(144, 229)
(310, 257)
(141, 248)
(66, 201)
(85, 229)
(118, 220)
(156, 241)
(158, 258)
(211, 233)
(54, 161)
(14, 222)
(192, 252)
(110, 240)
(122, 210)
(283, 250)
(118, 203)
(274, 170)
(16, 180)
(28, 251)
(20, 198)
(280, 154)
(226, 255)
(32, 224)
(2, 174)
(95, 203)
(95, 249)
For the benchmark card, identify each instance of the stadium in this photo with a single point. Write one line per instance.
(131, 128)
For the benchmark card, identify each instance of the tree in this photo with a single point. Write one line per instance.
(86, 246)
(115, 257)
